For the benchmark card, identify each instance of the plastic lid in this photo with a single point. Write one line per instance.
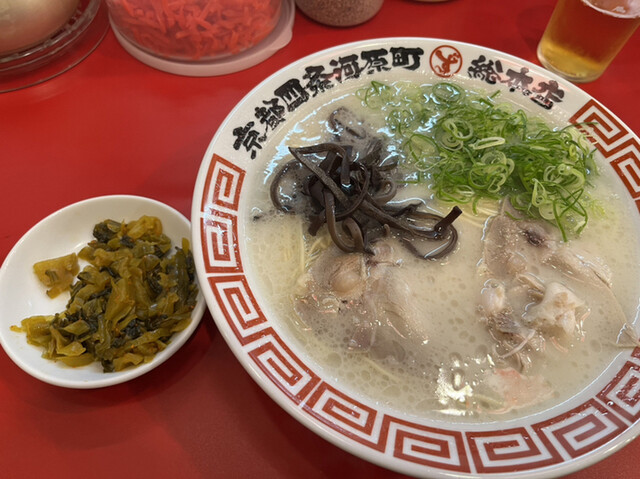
(278, 38)
(59, 53)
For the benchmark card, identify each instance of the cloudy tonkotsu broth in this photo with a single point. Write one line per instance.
(445, 375)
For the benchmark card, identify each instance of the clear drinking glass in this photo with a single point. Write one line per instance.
(584, 36)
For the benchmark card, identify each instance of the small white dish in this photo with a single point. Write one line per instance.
(22, 295)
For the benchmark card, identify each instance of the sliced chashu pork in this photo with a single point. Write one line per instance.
(367, 296)
(539, 289)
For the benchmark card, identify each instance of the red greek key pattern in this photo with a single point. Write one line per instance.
(219, 220)
(223, 185)
(219, 236)
(604, 129)
(439, 448)
(283, 367)
(581, 430)
(614, 141)
(239, 307)
(622, 394)
(626, 162)
(348, 416)
(509, 450)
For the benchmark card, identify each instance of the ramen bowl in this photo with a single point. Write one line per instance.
(63, 232)
(311, 382)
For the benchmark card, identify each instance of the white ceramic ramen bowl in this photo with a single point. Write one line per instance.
(22, 295)
(563, 438)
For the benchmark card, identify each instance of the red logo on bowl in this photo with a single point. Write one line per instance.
(445, 61)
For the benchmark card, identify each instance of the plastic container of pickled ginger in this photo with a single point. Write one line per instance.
(202, 37)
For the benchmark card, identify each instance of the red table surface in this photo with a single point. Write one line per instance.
(114, 125)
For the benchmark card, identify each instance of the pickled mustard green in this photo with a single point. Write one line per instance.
(126, 303)
(57, 274)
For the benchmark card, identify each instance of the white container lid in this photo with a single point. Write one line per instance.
(277, 39)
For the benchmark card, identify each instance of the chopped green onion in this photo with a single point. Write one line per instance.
(469, 147)
(490, 142)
